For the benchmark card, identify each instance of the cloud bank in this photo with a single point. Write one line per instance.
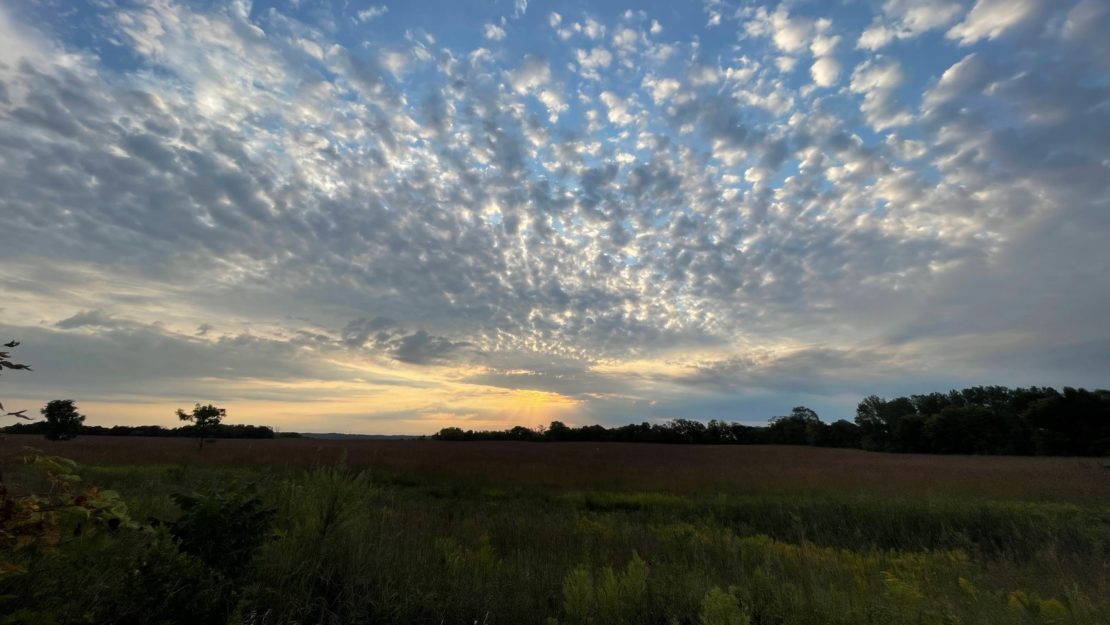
(360, 218)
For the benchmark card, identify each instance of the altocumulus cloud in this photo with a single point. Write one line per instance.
(603, 215)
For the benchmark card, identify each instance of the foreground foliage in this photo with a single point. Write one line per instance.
(338, 545)
(7, 363)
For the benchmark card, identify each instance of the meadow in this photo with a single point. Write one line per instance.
(308, 531)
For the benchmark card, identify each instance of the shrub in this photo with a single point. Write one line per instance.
(609, 597)
(323, 564)
(223, 530)
(722, 608)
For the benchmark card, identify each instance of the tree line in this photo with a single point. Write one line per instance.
(223, 430)
(977, 420)
(62, 421)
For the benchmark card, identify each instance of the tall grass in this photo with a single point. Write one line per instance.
(351, 546)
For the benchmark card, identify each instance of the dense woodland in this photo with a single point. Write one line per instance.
(976, 420)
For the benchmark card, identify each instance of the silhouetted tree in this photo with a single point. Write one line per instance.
(63, 422)
(804, 414)
(719, 432)
(521, 433)
(908, 434)
(687, 430)
(799, 428)
(204, 420)
(932, 403)
(873, 430)
(975, 420)
(450, 434)
(842, 433)
(879, 419)
(558, 431)
(1076, 421)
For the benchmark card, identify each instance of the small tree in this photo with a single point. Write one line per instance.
(6, 363)
(205, 419)
(558, 431)
(802, 427)
(63, 422)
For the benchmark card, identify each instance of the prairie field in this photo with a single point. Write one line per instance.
(570, 533)
(473, 312)
(673, 468)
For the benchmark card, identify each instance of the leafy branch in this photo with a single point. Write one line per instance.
(66, 509)
(6, 363)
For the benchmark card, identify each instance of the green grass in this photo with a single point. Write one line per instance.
(352, 546)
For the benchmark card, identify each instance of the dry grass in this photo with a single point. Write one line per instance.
(643, 466)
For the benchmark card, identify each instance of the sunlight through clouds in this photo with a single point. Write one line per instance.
(377, 217)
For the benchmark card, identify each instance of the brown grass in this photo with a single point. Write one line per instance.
(641, 466)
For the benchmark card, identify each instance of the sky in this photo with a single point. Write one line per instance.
(391, 218)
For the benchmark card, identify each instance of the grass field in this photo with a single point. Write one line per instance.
(673, 468)
(434, 532)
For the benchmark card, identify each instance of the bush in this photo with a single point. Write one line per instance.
(722, 608)
(323, 564)
(607, 598)
(223, 530)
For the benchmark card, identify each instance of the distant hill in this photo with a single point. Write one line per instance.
(333, 436)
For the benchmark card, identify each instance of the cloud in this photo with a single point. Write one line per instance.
(534, 72)
(591, 28)
(661, 89)
(626, 39)
(823, 45)
(990, 18)
(372, 12)
(789, 34)
(618, 108)
(798, 370)
(553, 100)
(493, 32)
(630, 224)
(385, 335)
(825, 71)
(876, 36)
(919, 16)
(969, 75)
(167, 363)
(592, 61)
(422, 348)
(1084, 26)
(89, 318)
(786, 64)
(906, 19)
(878, 80)
(358, 332)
